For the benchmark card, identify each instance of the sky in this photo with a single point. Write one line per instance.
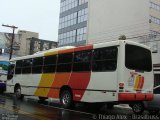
(40, 16)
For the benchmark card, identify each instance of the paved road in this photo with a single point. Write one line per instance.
(32, 109)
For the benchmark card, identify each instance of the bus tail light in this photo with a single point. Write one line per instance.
(121, 85)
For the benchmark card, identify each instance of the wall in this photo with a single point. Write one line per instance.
(108, 19)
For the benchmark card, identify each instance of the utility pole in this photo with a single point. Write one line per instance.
(11, 48)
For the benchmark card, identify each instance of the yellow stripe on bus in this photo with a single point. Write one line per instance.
(136, 83)
(45, 84)
(51, 53)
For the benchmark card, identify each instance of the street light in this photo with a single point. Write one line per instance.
(11, 48)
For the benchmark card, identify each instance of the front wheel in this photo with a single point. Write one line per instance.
(18, 94)
(138, 108)
(66, 99)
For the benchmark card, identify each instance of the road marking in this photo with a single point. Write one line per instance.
(25, 113)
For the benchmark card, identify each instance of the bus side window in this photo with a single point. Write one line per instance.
(10, 71)
(64, 62)
(26, 67)
(37, 65)
(18, 69)
(105, 59)
(49, 64)
(82, 61)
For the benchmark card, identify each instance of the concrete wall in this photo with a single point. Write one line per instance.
(25, 45)
(108, 19)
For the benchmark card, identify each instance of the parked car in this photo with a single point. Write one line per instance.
(154, 106)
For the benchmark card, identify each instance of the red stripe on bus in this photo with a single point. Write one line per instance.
(66, 51)
(79, 81)
(81, 48)
(60, 80)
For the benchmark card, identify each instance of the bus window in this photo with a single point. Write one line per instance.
(10, 71)
(64, 62)
(18, 69)
(138, 58)
(26, 69)
(37, 65)
(82, 61)
(105, 59)
(49, 64)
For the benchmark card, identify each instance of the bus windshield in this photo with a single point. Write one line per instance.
(138, 58)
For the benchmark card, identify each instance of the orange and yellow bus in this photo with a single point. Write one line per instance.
(117, 71)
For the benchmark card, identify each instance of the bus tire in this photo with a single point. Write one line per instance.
(138, 108)
(17, 93)
(66, 99)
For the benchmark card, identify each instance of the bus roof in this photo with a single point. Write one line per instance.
(99, 45)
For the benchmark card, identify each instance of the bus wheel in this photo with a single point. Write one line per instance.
(18, 94)
(42, 98)
(138, 108)
(66, 99)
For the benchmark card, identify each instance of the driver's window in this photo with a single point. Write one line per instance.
(10, 71)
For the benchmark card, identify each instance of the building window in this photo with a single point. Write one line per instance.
(68, 20)
(82, 15)
(68, 4)
(155, 20)
(82, 2)
(154, 6)
(81, 34)
(67, 38)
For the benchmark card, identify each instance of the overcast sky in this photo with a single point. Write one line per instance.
(40, 16)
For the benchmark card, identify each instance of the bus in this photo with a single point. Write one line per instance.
(111, 72)
(3, 74)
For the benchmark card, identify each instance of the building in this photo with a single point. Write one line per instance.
(24, 45)
(94, 21)
(73, 22)
(35, 45)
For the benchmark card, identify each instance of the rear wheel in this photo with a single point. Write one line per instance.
(17, 93)
(66, 99)
(138, 108)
